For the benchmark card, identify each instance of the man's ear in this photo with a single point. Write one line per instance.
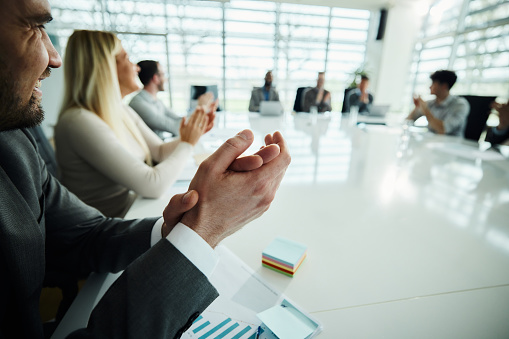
(154, 78)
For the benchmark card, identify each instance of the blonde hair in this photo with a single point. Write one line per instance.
(91, 82)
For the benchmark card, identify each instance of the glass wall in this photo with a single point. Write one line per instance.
(470, 37)
(230, 44)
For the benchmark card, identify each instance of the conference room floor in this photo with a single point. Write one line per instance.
(407, 231)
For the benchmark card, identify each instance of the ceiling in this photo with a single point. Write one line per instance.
(360, 4)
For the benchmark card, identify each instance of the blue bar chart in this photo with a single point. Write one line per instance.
(217, 326)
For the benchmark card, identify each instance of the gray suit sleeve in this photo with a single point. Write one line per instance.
(160, 292)
(153, 298)
(254, 103)
(276, 96)
(168, 121)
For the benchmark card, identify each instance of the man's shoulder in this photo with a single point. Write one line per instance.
(311, 91)
(18, 153)
(17, 139)
(139, 97)
(458, 101)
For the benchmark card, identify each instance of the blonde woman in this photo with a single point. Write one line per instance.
(103, 148)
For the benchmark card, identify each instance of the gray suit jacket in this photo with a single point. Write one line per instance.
(44, 227)
(257, 97)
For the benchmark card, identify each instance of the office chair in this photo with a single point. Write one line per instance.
(479, 112)
(346, 106)
(299, 98)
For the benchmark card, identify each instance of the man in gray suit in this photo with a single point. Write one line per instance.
(265, 93)
(44, 227)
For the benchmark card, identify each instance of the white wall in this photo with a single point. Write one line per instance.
(392, 57)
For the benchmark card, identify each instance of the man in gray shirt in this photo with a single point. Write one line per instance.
(447, 114)
(152, 110)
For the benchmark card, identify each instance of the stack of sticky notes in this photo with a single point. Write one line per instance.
(284, 256)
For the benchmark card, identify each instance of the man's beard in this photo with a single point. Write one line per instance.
(13, 114)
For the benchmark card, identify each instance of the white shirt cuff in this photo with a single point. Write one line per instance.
(196, 250)
(190, 244)
(156, 232)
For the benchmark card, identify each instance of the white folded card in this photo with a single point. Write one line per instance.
(287, 322)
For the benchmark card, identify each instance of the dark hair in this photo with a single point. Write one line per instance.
(148, 68)
(364, 77)
(444, 77)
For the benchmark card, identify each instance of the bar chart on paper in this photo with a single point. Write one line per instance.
(219, 326)
(242, 295)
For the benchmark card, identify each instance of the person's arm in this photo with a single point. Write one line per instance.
(94, 141)
(167, 121)
(276, 95)
(309, 100)
(254, 103)
(454, 120)
(434, 123)
(326, 103)
(500, 134)
(227, 200)
(416, 112)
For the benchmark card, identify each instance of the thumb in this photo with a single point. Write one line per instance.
(178, 205)
(231, 150)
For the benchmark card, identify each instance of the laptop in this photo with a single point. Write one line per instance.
(375, 116)
(377, 110)
(271, 108)
(196, 91)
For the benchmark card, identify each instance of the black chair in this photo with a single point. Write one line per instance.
(299, 98)
(479, 112)
(346, 106)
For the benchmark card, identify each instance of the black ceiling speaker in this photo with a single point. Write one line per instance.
(383, 23)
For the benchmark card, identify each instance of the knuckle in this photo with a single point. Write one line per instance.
(205, 166)
(233, 142)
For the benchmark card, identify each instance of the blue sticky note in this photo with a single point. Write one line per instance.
(287, 322)
(286, 251)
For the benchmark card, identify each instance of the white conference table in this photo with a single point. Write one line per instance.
(407, 232)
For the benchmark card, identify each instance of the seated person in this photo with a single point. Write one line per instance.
(103, 148)
(360, 96)
(166, 261)
(318, 96)
(500, 134)
(447, 114)
(265, 93)
(152, 110)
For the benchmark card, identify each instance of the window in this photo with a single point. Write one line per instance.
(470, 37)
(230, 44)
